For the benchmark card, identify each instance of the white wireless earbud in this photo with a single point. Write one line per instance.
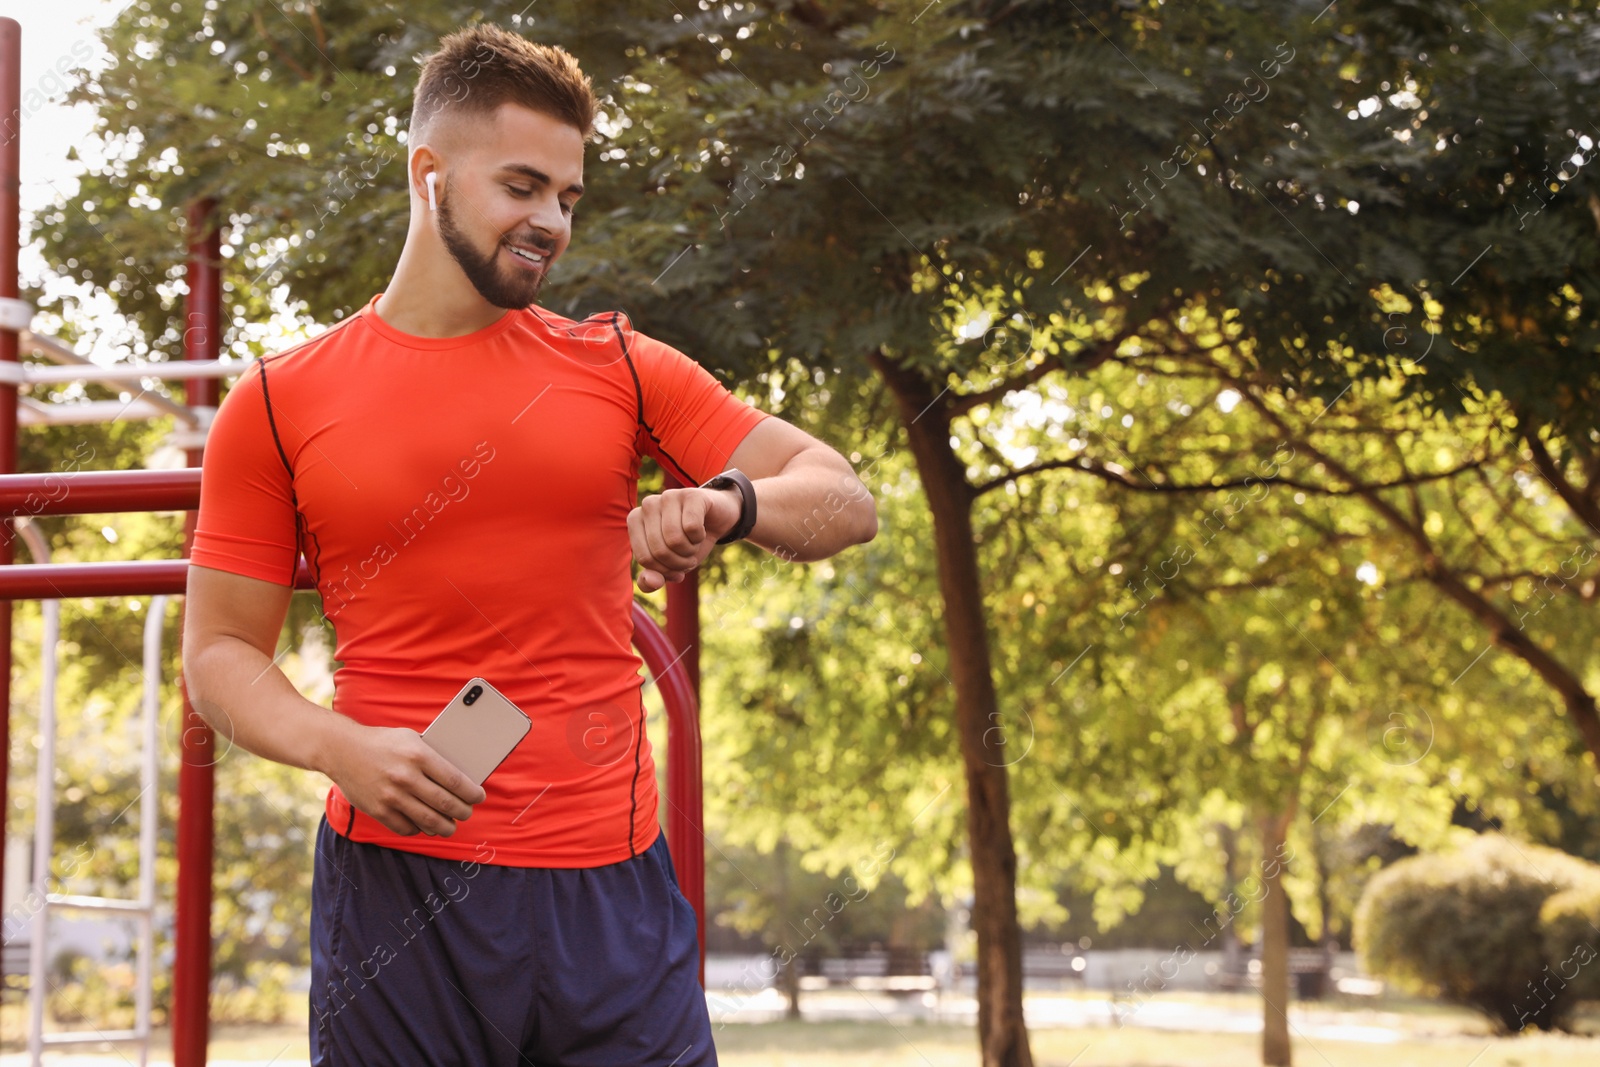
(433, 205)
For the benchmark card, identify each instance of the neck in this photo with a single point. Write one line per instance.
(429, 296)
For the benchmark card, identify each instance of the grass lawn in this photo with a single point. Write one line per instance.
(1442, 1037)
(836, 1044)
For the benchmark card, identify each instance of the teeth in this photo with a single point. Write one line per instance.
(529, 256)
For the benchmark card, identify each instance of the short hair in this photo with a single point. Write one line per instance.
(479, 68)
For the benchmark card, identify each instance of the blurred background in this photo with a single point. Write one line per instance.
(1221, 684)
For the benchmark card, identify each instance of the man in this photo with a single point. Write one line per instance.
(459, 468)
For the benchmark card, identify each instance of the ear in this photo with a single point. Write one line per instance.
(422, 171)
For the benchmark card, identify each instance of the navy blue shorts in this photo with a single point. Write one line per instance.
(418, 961)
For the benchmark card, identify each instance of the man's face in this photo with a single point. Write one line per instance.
(507, 214)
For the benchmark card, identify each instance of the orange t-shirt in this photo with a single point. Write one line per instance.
(463, 504)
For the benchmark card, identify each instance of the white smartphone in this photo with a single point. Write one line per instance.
(477, 730)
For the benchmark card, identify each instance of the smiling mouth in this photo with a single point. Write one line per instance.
(537, 259)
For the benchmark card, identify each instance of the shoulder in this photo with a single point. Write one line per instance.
(273, 375)
(600, 328)
(301, 356)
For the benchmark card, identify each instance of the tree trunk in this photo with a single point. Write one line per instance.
(790, 978)
(1002, 1033)
(789, 973)
(1275, 1050)
(1231, 948)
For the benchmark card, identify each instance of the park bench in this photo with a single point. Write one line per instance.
(1063, 963)
(896, 971)
(1309, 970)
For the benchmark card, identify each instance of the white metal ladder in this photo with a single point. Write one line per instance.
(143, 906)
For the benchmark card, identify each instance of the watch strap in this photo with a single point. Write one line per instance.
(734, 478)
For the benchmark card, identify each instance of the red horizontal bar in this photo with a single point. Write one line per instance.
(94, 492)
(140, 577)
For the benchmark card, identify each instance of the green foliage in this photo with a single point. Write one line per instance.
(1496, 926)
(792, 911)
(825, 728)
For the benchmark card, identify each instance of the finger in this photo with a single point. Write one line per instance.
(681, 526)
(398, 823)
(443, 801)
(460, 792)
(695, 510)
(657, 555)
(694, 515)
(636, 538)
(649, 580)
(673, 547)
(427, 819)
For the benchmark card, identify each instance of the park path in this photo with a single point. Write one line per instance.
(1043, 1012)
(1156, 1013)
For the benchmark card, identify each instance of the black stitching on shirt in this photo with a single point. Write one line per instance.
(302, 528)
(687, 479)
(638, 392)
(633, 786)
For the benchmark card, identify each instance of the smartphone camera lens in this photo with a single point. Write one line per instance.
(472, 695)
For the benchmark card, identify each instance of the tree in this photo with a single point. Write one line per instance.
(1499, 203)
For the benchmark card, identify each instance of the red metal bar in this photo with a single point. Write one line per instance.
(685, 816)
(191, 977)
(138, 577)
(10, 232)
(688, 843)
(683, 625)
(97, 492)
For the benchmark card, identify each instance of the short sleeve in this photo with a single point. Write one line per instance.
(247, 523)
(691, 423)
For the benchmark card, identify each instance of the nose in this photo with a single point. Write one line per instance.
(548, 222)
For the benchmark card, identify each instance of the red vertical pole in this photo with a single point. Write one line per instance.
(10, 223)
(685, 784)
(191, 978)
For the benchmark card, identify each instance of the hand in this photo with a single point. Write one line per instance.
(673, 532)
(396, 777)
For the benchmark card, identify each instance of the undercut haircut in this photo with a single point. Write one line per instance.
(477, 69)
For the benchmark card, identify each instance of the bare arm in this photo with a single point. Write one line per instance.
(231, 626)
(809, 505)
(813, 506)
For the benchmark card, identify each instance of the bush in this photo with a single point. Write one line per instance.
(87, 994)
(1496, 926)
(1570, 923)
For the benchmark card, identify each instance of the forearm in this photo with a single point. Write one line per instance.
(250, 703)
(813, 508)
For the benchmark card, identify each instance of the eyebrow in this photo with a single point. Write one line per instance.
(539, 176)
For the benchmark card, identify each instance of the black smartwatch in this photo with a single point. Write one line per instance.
(735, 479)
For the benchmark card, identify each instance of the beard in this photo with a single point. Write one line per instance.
(505, 288)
